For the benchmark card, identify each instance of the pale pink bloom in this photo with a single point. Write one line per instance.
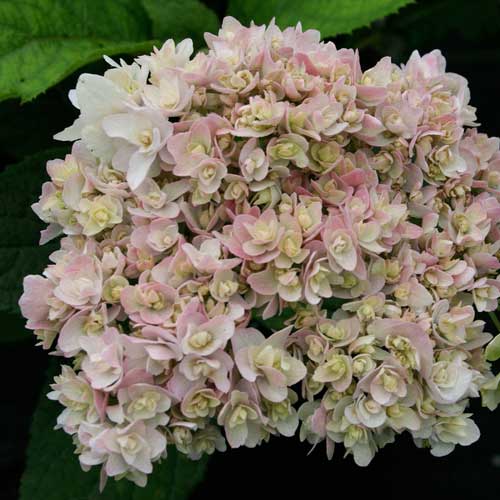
(155, 202)
(288, 148)
(36, 303)
(253, 161)
(61, 170)
(130, 77)
(201, 219)
(189, 149)
(282, 416)
(205, 257)
(314, 116)
(224, 286)
(309, 215)
(291, 243)
(215, 367)
(357, 439)
(450, 431)
(268, 176)
(400, 118)
(406, 341)
(142, 135)
(284, 282)
(254, 237)
(103, 363)
(489, 178)
(318, 279)
(132, 449)
(139, 260)
(371, 130)
(412, 294)
(205, 442)
(451, 324)
(485, 293)
(372, 88)
(209, 174)
(342, 250)
(155, 350)
(113, 263)
(367, 412)
(339, 332)
(99, 213)
(336, 369)
(91, 453)
(242, 420)
(231, 31)
(96, 97)
(160, 235)
(470, 226)
(172, 96)
(87, 322)
(200, 402)
(266, 362)
(386, 384)
(202, 336)
(478, 149)
(450, 379)
(140, 402)
(170, 55)
(174, 270)
(149, 302)
(259, 118)
(425, 67)
(75, 394)
(81, 282)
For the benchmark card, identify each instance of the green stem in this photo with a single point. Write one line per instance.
(495, 320)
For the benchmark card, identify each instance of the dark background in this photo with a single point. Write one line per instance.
(468, 34)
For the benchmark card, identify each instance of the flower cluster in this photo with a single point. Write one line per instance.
(269, 177)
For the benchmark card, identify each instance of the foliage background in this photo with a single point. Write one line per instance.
(467, 32)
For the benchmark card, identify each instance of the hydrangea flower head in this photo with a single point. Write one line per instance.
(268, 177)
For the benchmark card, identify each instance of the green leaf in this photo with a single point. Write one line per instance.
(493, 349)
(43, 41)
(20, 254)
(53, 472)
(331, 17)
(181, 19)
(270, 325)
(334, 303)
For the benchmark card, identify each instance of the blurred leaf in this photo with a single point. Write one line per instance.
(331, 17)
(20, 186)
(42, 41)
(334, 303)
(270, 325)
(53, 471)
(493, 349)
(181, 19)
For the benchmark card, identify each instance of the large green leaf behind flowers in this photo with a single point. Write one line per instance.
(180, 19)
(43, 41)
(331, 17)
